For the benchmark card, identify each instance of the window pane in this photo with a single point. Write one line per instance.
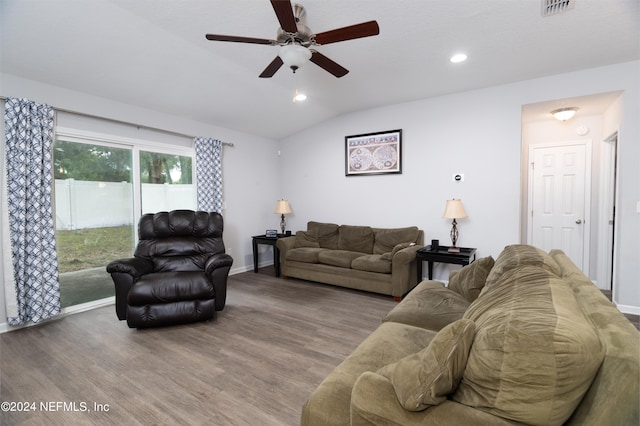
(166, 182)
(94, 217)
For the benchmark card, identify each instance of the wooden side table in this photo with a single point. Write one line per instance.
(441, 255)
(271, 241)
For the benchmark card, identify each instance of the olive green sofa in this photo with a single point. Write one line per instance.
(379, 260)
(527, 339)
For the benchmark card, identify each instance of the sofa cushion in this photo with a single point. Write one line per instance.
(425, 378)
(387, 239)
(340, 258)
(372, 263)
(356, 238)
(305, 254)
(429, 305)
(307, 239)
(470, 280)
(327, 233)
(534, 354)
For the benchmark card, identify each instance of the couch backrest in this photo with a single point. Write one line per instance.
(614, 395)
(387, 238)
(180, 240)
(535, 353)
(363, 239)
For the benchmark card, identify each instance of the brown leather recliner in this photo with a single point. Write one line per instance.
(178, 273)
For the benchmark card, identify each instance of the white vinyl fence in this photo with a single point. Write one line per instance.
(90, 204)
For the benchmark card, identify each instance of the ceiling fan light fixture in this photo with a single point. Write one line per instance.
(294, 56)
(564, 114)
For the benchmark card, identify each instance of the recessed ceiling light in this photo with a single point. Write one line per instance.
(299, 96)
(460, 57)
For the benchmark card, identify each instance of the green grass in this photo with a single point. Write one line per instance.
(93, 247)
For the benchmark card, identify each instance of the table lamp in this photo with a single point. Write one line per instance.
(282, 208)
(454, 210)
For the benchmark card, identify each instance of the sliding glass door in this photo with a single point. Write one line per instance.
(101, 189)
(95, 221)
(166, 182)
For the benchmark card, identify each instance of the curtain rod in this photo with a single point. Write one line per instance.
(139, 126)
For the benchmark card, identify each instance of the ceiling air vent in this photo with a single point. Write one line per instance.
(552, 7)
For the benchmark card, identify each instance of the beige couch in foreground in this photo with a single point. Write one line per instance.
(379, 260)
(540, 345)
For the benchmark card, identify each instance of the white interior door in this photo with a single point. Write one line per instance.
(558, 198)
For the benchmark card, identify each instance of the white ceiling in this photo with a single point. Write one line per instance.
(153, 53)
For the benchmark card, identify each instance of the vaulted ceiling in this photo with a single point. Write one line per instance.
(153, 53)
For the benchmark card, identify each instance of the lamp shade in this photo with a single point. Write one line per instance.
(454, 210)
(282, 207)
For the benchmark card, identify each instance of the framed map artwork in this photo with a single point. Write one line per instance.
(373, 153)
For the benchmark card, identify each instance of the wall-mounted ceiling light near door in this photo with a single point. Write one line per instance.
(564, 114)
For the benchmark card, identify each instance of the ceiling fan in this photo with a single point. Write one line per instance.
(297, 41)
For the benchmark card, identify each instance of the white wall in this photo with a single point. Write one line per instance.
(477, 133)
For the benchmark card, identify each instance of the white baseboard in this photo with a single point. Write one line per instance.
(628, 309)
(247, 268)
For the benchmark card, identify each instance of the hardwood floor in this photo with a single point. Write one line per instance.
(255, 364)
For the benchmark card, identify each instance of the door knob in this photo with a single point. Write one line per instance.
(579, 221)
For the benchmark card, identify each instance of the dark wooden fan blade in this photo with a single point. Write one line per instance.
(236, 39)
(365, 29)
(271, 69)
(284, 12)
(328, 65)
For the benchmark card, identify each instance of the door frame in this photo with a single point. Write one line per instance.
(586, 249)
(608, 200)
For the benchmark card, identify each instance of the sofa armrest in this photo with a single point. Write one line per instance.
(216, 261)
(217, 268)
(403, 270)
(285, 244)
(134, 266)
(374, 402)
(124, 273)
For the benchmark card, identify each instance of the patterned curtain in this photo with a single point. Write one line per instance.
(29, 186)
(209, 174)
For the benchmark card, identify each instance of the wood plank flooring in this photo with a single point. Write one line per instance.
(255, 364)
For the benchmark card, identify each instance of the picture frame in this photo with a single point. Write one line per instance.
(271, 233)
(373, 153)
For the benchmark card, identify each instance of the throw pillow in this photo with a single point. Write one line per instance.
(468, 281)
(426, 378)
(389, 255)
(307, 239)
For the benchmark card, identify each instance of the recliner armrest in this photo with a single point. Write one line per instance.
(218, 261)
(134, 266)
